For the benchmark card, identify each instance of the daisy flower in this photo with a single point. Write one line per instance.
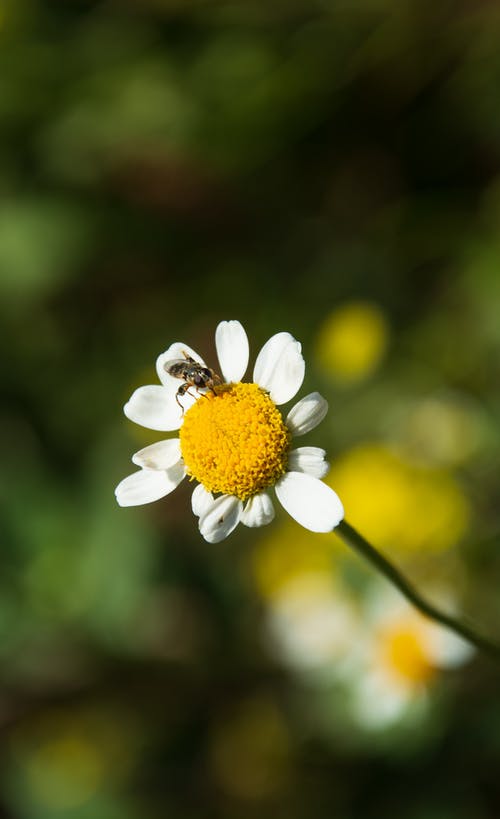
(400, 659)
(233, 440)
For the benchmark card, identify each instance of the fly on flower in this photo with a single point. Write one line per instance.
(234, 442)
(193, 375)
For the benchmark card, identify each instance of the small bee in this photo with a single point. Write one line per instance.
(193, 374)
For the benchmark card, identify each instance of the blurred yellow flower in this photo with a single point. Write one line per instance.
(402, 650)
(352, 341)
(287, 554)
(398, 505)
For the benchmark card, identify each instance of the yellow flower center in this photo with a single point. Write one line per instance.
(406, 655)
(235, 441)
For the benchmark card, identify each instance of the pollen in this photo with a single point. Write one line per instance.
(234, 441)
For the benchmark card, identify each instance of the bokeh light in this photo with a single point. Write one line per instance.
(398, 504)
(352, 341)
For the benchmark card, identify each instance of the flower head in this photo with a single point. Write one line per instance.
(233, 440)
(400, 658)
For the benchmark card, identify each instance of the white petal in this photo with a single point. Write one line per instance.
(259, 510)
(378, 702)
(309, 459)
(445, 649)
(148, 485)
(175, 351)
(161, 455)
(309, 501)
(221, 518)
(280, 367)
(154, 407)
(201, 500)
(307, 414)
(232, 350)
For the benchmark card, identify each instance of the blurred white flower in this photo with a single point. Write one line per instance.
(312, 624)
(382, 654)
(399, 659)
(233, 440)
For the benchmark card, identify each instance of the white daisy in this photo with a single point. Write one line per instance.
(233, 440)
(400, 658)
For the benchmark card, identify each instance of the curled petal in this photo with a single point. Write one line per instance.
(201, 500)
(258, 511)
(154, 407)
(307, 414)
(148, 485)
(161, 455)
(308, 459)
(232, 350)
(309, 501)
(221, 518)
(280, 367)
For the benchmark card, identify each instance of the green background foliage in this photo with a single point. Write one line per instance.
(164, 165)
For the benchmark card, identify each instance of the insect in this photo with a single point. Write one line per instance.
(193, 374)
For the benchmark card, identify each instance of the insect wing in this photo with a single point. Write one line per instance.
(175, 367)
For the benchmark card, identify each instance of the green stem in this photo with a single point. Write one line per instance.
(357, 542)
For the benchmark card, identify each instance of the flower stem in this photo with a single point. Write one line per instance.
(357, 542)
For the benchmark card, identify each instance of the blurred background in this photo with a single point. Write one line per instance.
(326, 167)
